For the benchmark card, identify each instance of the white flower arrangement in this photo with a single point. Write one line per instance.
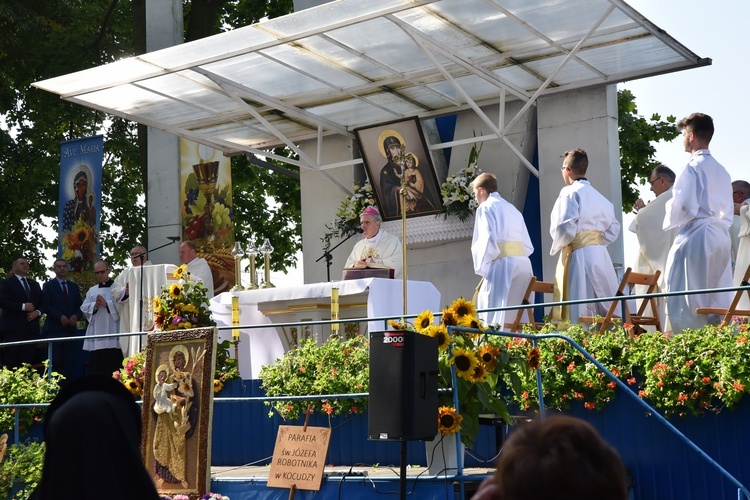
(458, 198)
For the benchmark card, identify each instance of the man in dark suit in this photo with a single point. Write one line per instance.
(62, 299)
(22, 302)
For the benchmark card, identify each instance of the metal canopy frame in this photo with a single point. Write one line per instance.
(354, 63)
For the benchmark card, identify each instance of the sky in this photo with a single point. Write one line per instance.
(715, 31)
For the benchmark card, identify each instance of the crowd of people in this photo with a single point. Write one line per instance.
(102, 310)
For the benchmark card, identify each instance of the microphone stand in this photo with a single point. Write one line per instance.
(327, 255)
(142, 257)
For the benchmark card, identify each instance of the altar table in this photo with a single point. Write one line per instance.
(363, 298)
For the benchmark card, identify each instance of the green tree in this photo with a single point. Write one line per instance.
(47, 38)
(637, 135)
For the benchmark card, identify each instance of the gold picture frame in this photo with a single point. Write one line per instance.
(177, 410)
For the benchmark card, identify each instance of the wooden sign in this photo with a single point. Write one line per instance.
(299, 457)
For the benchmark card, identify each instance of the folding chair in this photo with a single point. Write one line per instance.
(630, 279)
(534, 287)
(732, 310)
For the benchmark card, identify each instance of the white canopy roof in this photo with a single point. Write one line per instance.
(353, 63)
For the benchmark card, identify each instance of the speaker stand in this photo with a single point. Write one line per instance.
(402, 482)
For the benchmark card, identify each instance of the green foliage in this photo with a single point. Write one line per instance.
(336, 367)
(26, 385)
(48, 38)
(690, 373)
(21, 470)
(636, 151)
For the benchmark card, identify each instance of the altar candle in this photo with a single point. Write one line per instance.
(334, 310)
(235, 318)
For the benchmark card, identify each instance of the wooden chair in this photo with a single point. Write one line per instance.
(534, 287)
(732, 310)
(630, 279)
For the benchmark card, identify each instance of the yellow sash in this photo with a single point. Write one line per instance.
(562, 291)
(507, 249)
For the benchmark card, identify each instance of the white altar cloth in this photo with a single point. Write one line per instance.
(262, 346)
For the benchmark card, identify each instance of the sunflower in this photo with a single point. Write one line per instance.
(217, 385)
(465, 362)
(133, 386)
(440, 332)
(179, 273)
(157, 303)
(471, 321)
(159, 318)
(462, 307)
(424, 321)
(449, 421)
(533, 358)
(175, 290)
(80, 236)
(488, 357)
(480, 373)
(449, 318)
(398, 325)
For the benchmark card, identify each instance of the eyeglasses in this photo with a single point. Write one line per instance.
(650, 181)
(101, 272)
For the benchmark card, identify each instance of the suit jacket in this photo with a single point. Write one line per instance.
(56, 305)
(13, 322)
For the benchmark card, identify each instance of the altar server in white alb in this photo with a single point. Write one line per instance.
(197, 266)
(101, 313)
(377, 246)
(582, 224)
(701, 208)
(653, 241)
(500, 249)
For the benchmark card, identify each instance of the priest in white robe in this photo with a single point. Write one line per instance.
(500, 249)
(105, 354)
(654, 242)
(743, 252)
(701, 209)
(582, 224)
(377, 246)
(197, 266)
(133, 300)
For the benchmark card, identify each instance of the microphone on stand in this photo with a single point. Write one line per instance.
(173, 238)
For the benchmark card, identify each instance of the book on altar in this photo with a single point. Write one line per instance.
(371, 270)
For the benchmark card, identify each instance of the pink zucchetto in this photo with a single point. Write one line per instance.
(370, 211)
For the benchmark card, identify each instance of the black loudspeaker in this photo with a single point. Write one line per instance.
(403, 386)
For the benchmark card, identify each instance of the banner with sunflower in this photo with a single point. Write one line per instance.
(79, 206)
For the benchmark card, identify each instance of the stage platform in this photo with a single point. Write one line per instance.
(348, 482)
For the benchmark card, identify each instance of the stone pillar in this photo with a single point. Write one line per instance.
(163, 29)
(586, 119)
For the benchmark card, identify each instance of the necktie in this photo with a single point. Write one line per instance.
(26, 287)
(65, 289)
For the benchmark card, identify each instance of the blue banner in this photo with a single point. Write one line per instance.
(80, 205)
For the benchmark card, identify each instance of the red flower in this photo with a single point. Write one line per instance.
(706, 380)
(327, 408)
(355, 409)
(642, 394)
(631, 381)
(571, 366)
(741, 339)
(589, 406)
(682, 397)
(737, 386)
(612, 384)
(689, 363)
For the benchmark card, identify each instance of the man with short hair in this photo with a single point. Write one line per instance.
(197, 266)
(22, 303)
(128, 311)
(377, 246)
(653, 240)
(63, 308)
(500, 249)
(701, 209)
(105, 354)
(582, 224)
